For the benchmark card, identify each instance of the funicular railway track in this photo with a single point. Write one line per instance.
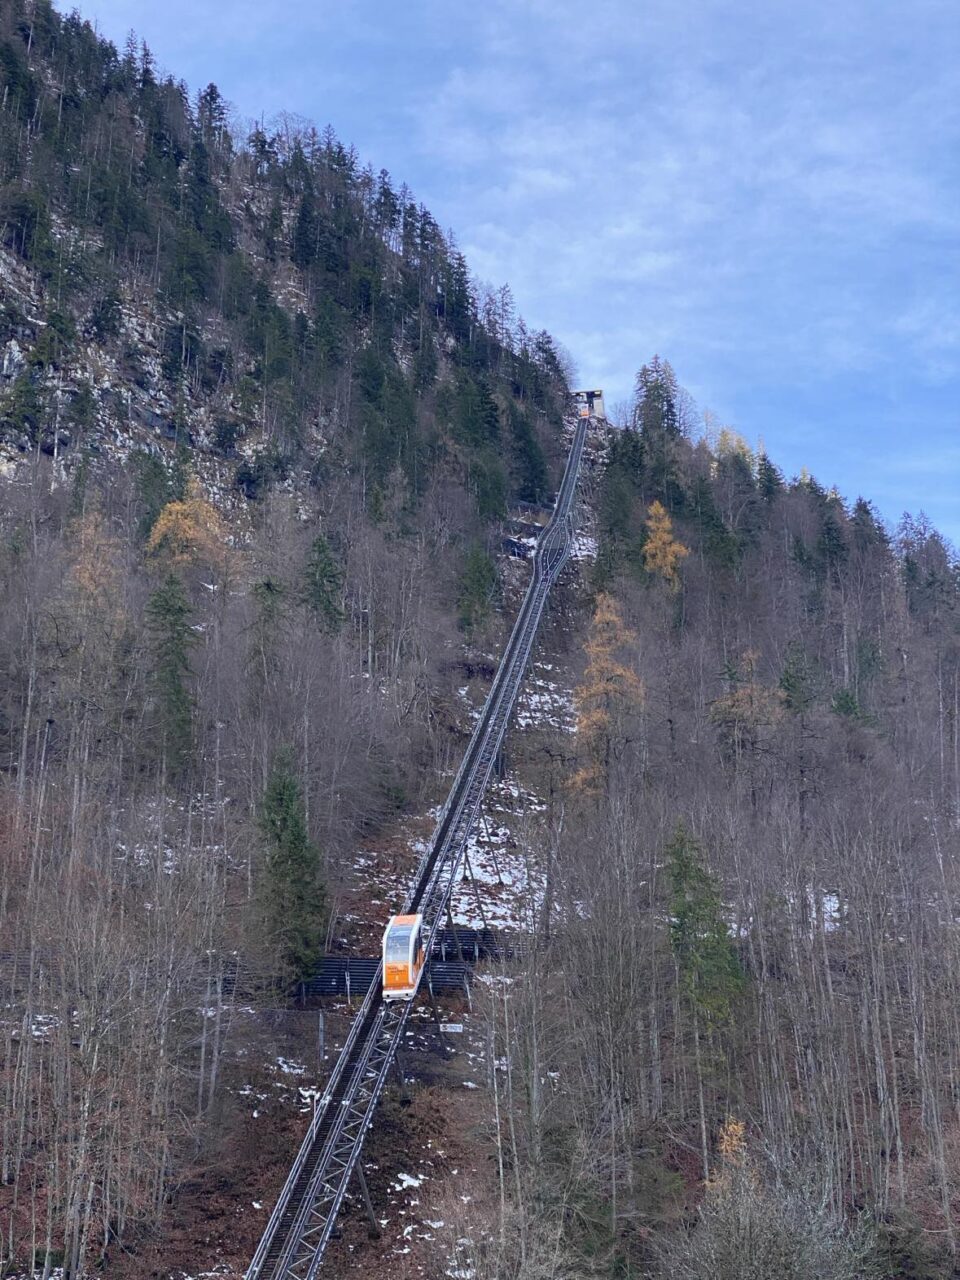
(293, 1244)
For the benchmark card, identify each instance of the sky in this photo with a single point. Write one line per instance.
(766, 193)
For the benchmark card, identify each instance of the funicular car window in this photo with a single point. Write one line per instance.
(398, 944)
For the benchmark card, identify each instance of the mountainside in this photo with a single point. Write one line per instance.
(269, 464)
(262, 299)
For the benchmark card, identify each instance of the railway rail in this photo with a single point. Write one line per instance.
(300, 1227)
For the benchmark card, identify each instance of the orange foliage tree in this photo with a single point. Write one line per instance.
(662, 553)
(610, 690)
(190, 531)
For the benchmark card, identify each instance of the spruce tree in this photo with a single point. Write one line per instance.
(478, 585)
(831, 545)
(769, 478)
(707, 964)
(478, 419)
(168, 622)
(720, 544)
(303, 246)
(322, 584)
(866, 526)
(656, 416)
(797, 681)
(708, 969)
(656, 399)
(293, 895)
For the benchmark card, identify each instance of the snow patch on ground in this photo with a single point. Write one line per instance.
(543, 704)
(584, 547)
(222, 1270)
(472, 709)
(502, 877)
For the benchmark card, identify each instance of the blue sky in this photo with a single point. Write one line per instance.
(766, 193)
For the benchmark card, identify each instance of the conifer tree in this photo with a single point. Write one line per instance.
(656, 417)
(322, 584)
(662, 553)
(293, 896)
(656, 395)
(609, 691)
(189, 531)
(866, 526)
(798, 690)
(831, 545)
(168, 622)
(708, 970)
(303, 248)
(212, 118)
(273, 230)
(720, 545)
(769, 478)
(707, 964)
(478, 421)
(796, 681)
(477, 589)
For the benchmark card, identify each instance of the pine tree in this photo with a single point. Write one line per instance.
(168, 623)
(293, 896)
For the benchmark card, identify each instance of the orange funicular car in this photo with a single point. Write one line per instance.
(403, 957)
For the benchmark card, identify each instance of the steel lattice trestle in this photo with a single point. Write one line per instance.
(300, 1226)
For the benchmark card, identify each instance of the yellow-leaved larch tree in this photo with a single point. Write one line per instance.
(190, 531)
(609, 691)
(662, 553)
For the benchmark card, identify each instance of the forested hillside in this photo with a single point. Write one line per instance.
(751, 976)
(258, 430)
(261, 435)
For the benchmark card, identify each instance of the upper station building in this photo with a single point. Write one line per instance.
(589, 404)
